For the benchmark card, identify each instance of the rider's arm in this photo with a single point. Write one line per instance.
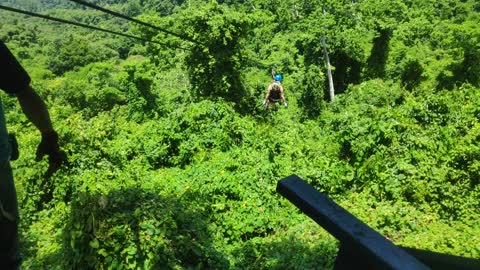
(282, 96)
(268, 92)
(35, 109)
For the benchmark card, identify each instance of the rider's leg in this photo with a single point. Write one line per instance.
(9, 251)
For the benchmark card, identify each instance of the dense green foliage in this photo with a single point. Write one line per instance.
(173, 163)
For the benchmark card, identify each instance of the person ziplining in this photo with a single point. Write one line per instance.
(14, 80)
(275, 92)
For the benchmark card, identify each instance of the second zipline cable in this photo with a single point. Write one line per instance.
(184, 37)
(86, 26)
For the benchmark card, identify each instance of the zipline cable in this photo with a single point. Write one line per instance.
(81, 2)
(86, 26)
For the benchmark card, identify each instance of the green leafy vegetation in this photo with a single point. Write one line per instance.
(173, 163)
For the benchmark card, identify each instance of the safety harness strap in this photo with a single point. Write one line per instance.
(5, 214)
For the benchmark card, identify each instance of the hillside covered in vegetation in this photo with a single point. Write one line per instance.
(173, 161)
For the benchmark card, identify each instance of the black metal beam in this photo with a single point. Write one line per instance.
(440, 261)
(357, 239)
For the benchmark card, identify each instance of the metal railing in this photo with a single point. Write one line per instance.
(361, 247)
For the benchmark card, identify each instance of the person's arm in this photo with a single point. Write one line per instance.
(282, 96)
(36, 111)
(265, 101)
(269, 89)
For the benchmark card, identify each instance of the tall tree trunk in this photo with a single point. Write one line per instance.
(329, 69)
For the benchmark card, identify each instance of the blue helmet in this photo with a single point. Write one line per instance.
(278, 77)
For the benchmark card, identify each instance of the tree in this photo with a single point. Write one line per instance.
(215, 63)
(312, 98)
(383, 17)
(73, 52)
(339, 24)
(329, 68)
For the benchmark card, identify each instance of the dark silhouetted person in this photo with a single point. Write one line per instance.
(15, 81)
